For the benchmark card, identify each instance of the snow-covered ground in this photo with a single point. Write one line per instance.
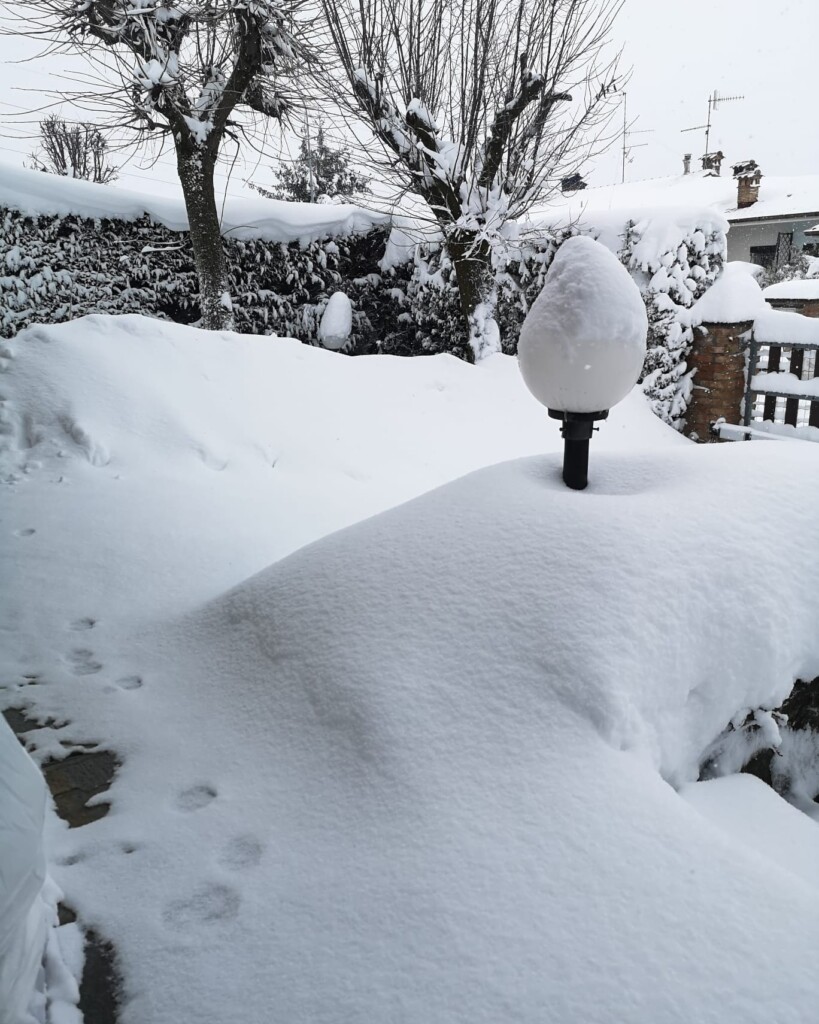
(427, 769)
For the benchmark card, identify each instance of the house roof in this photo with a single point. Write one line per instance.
(778, 196)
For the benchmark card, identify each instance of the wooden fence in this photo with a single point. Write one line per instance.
(783, 386)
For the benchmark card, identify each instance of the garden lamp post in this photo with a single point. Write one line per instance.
(583, 344)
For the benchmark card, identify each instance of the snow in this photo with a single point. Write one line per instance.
(795, 289)
(583, 342)
(423, 769)
(24, 914)
(336, 322)
(751, 812)
(36, 194)
(778, 196)
(781, 327)
(735, 297)
(785, 384)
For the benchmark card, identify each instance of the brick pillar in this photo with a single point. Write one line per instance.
(719, 383)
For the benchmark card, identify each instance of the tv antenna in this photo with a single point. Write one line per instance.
(627, 147)
(713, 100)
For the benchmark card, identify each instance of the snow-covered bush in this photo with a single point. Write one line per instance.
(781, 747)
(798, 267)
(671, 279)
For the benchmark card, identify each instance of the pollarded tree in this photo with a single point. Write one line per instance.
(180, 70)
(73, 151)
(482, 107)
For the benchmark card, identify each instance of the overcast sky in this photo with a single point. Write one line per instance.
(764, 50)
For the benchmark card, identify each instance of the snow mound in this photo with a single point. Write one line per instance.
(465, 714)
(583, 342)
(130, 392)
(752, 812)
(735, 297)
(24, 915)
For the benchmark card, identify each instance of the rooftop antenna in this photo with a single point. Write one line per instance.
(713, 100)
(627, 148)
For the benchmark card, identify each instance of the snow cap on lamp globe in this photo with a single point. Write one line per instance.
(583, 342)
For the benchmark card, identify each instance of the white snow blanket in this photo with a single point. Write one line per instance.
(24, 915)
(425, 769)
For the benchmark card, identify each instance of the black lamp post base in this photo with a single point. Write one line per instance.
(576, 431)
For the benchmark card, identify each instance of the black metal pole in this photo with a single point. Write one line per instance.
(575, 462)
(576, 430)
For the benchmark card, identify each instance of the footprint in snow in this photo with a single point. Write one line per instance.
(79, 625)
(83, 662)
(208, 904)
(194, 798)
(130, 683)
(25, 533)
(241, 852)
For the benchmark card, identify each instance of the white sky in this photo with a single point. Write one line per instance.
(761, 49)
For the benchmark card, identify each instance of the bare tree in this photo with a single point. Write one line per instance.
(180, 70)
(73, 151)
(482, 107)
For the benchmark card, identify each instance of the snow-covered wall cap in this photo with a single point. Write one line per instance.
(780, 327)
(806, 288)
(583, 342)
(735, 297)
(36, 194)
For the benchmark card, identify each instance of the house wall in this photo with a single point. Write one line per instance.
(744, 234)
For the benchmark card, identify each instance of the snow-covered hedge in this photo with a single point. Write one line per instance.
(56, 268)
(70, 248)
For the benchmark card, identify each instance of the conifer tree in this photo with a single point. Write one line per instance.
(318, 171)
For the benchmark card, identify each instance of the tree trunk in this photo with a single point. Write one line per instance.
(472, 260)
(196, 175)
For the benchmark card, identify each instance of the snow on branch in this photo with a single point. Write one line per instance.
(183, 67)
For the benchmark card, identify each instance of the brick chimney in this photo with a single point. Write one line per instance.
(712, 161)
(748, 176)
(686, 163)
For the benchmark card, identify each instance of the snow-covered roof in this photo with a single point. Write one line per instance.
(37, 194)
(778, 196)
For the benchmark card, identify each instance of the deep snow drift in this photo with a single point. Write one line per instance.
(421, 770)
